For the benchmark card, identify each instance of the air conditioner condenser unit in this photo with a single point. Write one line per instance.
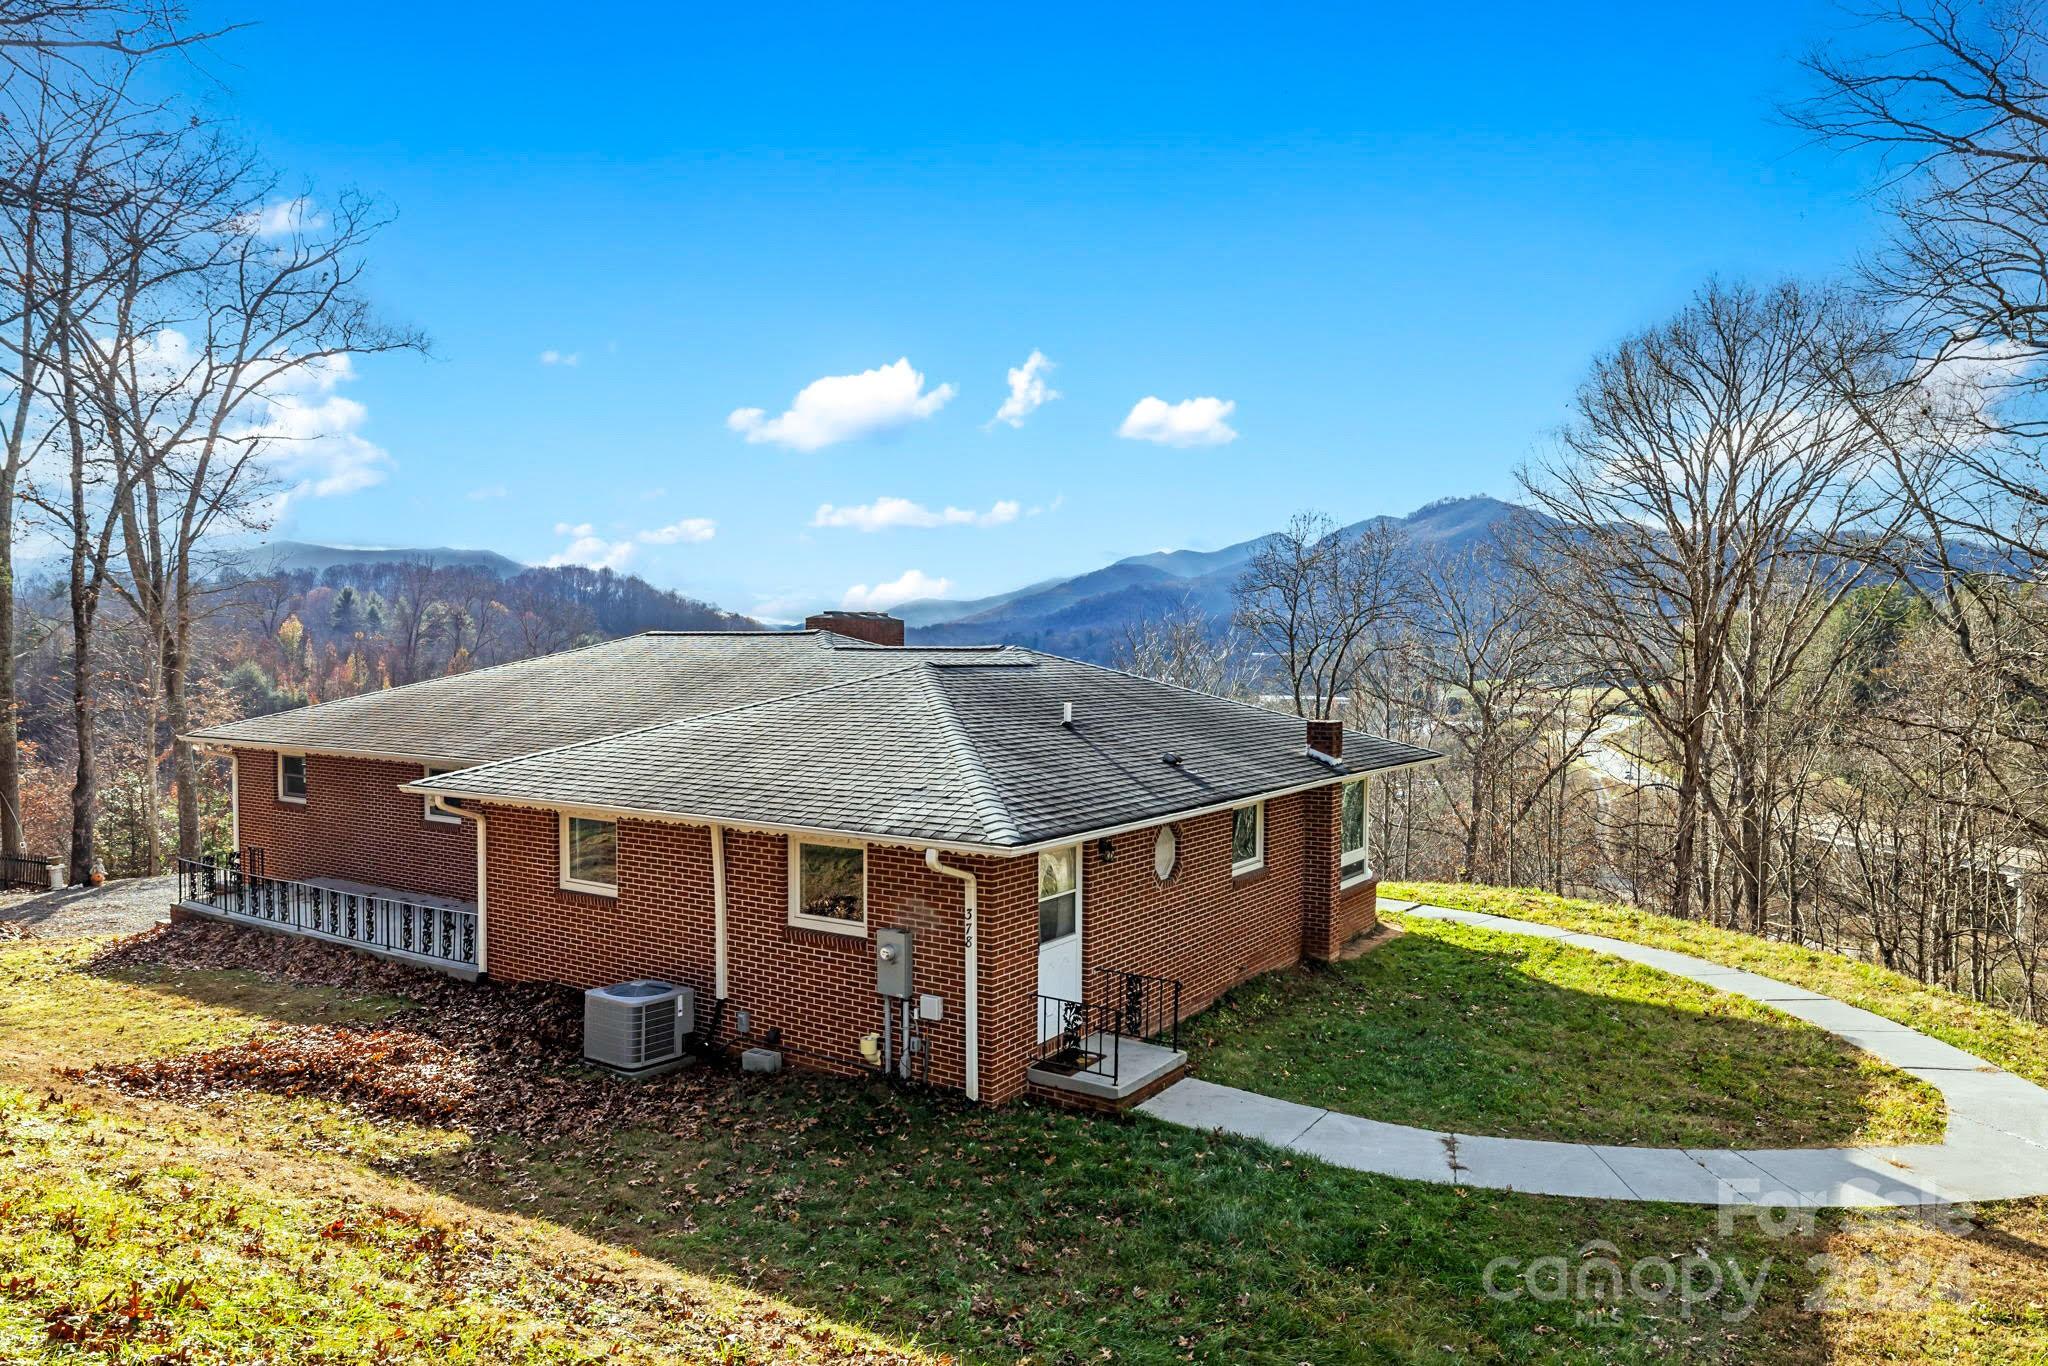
(637, 1026)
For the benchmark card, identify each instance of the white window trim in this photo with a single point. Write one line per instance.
(797, 919)
(1080, 883)
(1258, 858)
(1355, 866)
(304, 768)
(429, 812)
(571, 884)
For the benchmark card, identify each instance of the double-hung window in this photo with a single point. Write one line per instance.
(1059, 893)
(291, 778)
(1248, 839)
(1354, 864)
(828, 886)
(590, 855)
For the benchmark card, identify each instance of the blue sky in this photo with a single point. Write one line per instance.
(1391, 242)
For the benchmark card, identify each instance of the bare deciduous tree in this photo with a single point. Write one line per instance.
(1702, 507)
(1319, 600)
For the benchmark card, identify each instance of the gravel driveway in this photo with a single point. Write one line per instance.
(120, 907)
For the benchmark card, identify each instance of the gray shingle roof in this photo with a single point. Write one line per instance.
(952, 748)
(576, 695)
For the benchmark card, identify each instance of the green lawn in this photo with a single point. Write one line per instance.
(1995, 1035)
(1449, 1027)
(818, 1220)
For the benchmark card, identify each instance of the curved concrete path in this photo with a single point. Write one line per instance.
(1995, 1148)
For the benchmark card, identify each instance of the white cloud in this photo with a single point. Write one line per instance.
(907, 587)
(306, 435)
(1028, 390)
(887, 512)
(1191, 422)
(568, 358)
(588, 548)
(487, 492)
(313, 437)
(843, 407)
(689, 529)
(283, 218)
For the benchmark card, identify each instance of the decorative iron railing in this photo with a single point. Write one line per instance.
(435, 932)
(1146, 1007)
(1078, 1037)
(1088, 1037)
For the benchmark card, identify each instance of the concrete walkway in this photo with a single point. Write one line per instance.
(1995, 1148)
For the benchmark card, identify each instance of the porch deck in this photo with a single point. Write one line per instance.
(411, 927)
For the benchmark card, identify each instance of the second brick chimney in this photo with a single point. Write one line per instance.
(1327, 737)
(876, 628)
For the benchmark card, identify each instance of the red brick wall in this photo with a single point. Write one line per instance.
(354, 824)
(817, 987)
(1202, 926)
(1206, 928)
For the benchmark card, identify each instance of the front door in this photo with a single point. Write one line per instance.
(1059, 935)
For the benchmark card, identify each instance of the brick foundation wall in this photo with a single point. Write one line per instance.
(354, 824)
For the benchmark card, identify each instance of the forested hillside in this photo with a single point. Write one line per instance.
(262, 644)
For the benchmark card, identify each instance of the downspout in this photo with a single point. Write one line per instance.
(971, 933)
(718, 911)
(483, 920)
(234, 799)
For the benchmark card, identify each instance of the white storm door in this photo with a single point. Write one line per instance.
(1059, 934)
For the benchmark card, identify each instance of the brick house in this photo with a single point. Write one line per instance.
(1081, 857)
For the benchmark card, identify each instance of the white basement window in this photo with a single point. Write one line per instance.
(291, 778)
(590, 855)
(433, 814)
(1354, 865)
(828, 886)
(1248, 839)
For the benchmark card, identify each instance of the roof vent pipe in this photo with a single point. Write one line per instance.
(1067, 715)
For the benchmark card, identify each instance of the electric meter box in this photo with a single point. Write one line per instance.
(892, 963)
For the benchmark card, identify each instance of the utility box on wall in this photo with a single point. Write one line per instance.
(893, 973)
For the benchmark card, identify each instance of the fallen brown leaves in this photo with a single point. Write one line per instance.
(489, 1059)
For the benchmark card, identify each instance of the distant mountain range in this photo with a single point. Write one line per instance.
(288, 557)
(1086, 616)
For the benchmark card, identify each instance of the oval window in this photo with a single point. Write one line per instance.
(1165, 852)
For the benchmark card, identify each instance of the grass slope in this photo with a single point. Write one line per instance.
(1449, 1027)
(1995, 1035)
(871, 1226)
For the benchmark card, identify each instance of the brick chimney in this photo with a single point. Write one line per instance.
(876, 628)
(1327, 737)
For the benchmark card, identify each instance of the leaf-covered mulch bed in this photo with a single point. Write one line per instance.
(486, 1058)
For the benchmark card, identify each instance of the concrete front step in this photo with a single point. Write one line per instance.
(1140, 1070)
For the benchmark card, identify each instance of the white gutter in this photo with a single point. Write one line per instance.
(718, 910)
(483, 920)
(971, 933)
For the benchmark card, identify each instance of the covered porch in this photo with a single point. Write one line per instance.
(413, 927)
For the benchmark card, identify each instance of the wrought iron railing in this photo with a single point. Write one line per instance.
(1078, 1037)
(439, 934)
(1088, 1037)
(28, 870)
(1146, 1007)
